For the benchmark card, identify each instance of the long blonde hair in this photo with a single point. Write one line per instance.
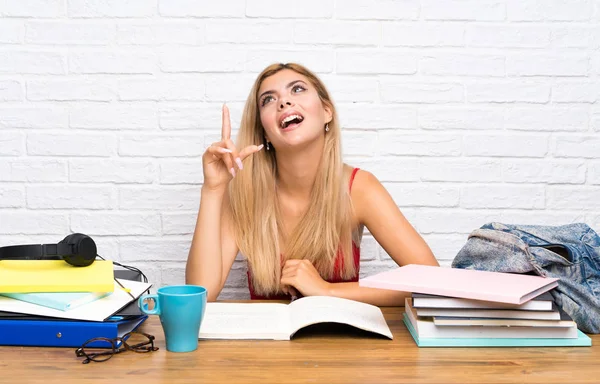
(326, 227)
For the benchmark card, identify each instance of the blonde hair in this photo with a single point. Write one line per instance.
(326, 227)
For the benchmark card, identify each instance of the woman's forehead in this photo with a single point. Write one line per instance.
(280, 80)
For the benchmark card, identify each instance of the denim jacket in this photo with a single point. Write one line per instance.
(569, 252)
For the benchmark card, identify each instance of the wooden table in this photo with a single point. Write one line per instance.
(316, 355)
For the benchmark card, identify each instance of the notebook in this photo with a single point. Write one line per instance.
(543, 302)
(488, 313)
(582, 340)
(131, 310)
(26, 276)
(464, 283)
(62, 301)
(98, 310)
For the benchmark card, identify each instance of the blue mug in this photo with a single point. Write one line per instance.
(181, 310)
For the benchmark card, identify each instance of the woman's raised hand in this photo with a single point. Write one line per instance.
(221, 161)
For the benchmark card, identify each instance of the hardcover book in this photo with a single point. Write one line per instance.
(543, 302)
(582, 340)
(463, 283)
(488, 313)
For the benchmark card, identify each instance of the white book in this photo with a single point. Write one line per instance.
(477, 321)
(426, 328)
(489, 313)
(543, 302)
(276, 321)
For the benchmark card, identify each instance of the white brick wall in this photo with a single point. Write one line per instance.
(468, 111)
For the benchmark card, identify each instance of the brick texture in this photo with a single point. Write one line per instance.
(468, 111)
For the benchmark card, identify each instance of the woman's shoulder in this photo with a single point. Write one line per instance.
(360, 180)
(369, 197)
(365, 191)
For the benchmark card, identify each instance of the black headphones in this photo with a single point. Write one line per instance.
(76, 249)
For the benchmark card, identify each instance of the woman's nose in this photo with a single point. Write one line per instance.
(285, 104)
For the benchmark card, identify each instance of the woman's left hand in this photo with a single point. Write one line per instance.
(303, 276)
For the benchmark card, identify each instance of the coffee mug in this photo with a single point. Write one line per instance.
(181, 310)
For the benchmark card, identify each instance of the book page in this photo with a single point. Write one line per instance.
(245, 321)
(323, 309)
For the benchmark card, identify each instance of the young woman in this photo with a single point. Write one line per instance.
(284, 199)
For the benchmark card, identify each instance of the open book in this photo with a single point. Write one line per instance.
(281, 321)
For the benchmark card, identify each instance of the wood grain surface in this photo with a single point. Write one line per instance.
(323, 354)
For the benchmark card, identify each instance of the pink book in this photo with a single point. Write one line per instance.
(464, 283)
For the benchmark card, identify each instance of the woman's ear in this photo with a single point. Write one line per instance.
(328, 114)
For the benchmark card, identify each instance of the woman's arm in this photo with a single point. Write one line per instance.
(213, 248)
(375, 208)
(379, 297)
(304, 277)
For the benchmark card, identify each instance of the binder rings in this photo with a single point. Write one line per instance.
(63, 333)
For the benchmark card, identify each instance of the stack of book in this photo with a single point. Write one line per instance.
(50, 303)
(469, 308)
(438, 321)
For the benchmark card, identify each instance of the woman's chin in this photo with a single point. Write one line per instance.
(298, 143)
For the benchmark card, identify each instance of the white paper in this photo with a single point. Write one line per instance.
(98, 310)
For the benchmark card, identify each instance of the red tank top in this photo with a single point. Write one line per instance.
(336, 271)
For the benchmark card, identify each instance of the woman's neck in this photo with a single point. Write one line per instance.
(297, 171)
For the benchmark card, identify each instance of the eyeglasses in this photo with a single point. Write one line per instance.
(100, 349)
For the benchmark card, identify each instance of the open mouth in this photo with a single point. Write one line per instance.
(291, 120)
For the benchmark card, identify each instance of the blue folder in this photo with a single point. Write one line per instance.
(582, 340)
(64, 333)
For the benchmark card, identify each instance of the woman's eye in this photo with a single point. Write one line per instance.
(266, 99)
(298, 88)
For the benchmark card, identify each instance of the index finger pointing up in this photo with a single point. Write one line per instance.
(226, 125)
